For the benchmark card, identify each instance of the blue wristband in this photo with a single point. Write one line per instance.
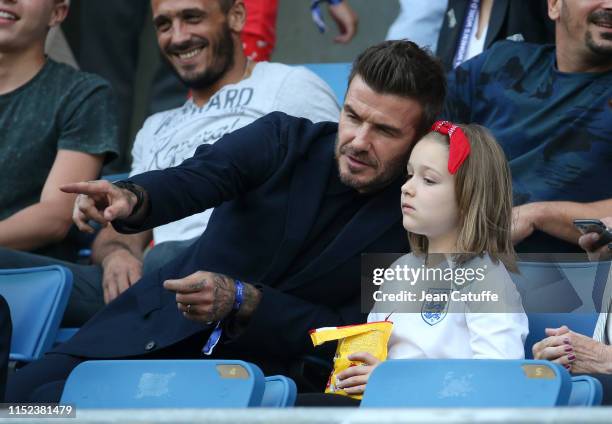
(215, 335)
(239, 294)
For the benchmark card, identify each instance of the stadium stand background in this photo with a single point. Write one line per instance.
(298, 41)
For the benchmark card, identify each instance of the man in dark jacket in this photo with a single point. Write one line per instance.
(296, 205)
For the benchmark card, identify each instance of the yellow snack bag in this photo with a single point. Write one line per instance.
(371, 337)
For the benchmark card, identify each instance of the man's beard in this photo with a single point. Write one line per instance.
(603, 50)
(222, 57)
(390, 170)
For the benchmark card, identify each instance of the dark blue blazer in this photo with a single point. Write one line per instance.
(266, 182)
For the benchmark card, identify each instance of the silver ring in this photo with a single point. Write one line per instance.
(188, 308)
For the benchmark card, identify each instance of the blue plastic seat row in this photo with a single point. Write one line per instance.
(136, 384)
(38, 297)
(437, 383)
(477, 383)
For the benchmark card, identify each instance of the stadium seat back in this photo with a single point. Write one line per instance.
(280, 392)
(334, 74)
(466, 383)
(561, 293)
(37, 298)
(137, 384)
(586, 391)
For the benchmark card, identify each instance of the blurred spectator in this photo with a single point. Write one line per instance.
(418, 22)
(106, 41)
(57, 126)
(472, 26)
(547, 107)
(229, 92)
(259, 34)
(105, 38)
(577, 352)
(341, 12)
(6, 330)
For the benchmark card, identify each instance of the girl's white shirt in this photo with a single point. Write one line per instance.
(463, 332)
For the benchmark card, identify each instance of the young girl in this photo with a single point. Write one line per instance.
(457, 208)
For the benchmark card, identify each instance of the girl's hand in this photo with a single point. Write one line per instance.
(353, 380)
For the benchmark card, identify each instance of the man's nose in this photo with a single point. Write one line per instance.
(362, 140)
(179, 34)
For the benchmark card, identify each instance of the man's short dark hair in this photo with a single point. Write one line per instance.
(402, 68)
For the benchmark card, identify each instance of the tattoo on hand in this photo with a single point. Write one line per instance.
(199, 285)
(224, 293)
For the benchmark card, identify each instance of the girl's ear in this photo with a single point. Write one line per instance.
(237, 16)
(59, 13)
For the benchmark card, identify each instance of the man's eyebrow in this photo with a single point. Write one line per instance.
(160, 19)
(192, 12)
(389, 129)
(350, 110)
(396, 132)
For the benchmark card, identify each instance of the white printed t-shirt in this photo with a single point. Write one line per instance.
(168, 138)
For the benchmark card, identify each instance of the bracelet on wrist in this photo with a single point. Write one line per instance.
(133, 188)
(239, 295)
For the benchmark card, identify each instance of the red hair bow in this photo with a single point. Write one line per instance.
(459, 148)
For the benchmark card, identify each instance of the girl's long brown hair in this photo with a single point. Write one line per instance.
(483, 187)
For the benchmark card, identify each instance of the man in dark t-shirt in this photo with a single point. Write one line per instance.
(547, 106)
(57, 125)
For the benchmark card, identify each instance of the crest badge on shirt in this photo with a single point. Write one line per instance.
(435, 306)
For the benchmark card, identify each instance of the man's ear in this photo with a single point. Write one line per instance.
(554, 9)
(59, 13)
(236, 16)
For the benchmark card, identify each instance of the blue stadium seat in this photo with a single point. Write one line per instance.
(280, 392)
(37, 298)
(334, 74)
(561, 293)
(65, 334)
(586, 391)
(467, 383)
(137, 384)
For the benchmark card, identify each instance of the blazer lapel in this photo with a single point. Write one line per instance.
(306, 193)
(372, 220)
